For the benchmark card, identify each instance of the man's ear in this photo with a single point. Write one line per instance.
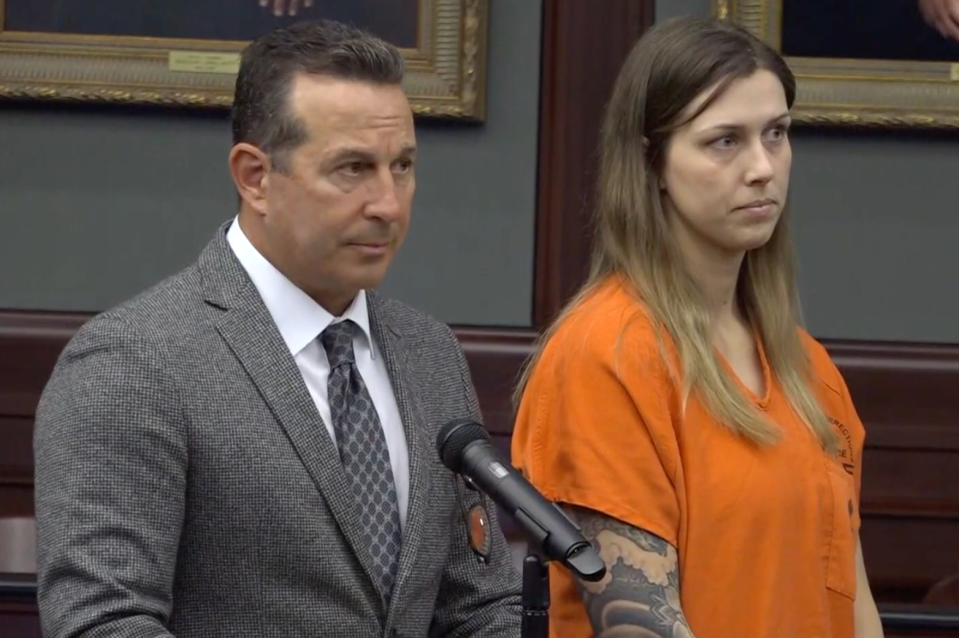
(250, 170)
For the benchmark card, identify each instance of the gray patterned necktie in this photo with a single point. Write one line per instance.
(363, 450)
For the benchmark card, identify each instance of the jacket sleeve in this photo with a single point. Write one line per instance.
(111, 468)
(478, 600)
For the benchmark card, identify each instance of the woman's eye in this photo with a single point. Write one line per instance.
(726, 141)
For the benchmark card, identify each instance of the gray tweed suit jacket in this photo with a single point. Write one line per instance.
(186, 486)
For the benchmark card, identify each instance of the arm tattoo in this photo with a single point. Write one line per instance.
(639, 596)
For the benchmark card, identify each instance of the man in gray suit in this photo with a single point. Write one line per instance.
(247, 449)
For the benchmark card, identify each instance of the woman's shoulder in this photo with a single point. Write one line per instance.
(822, 364)
(609, 318)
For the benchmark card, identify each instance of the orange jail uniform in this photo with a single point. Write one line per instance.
(766, 536)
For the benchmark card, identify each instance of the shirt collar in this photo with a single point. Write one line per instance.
(298, 317)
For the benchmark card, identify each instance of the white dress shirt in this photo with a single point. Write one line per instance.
(301, 321)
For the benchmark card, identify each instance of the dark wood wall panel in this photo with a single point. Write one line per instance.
(29, 346)
(908, 554)
(906, 395)
(899, 485)
(584, 45)
(496, 357)
(16, 459)
(16, 451)
(19, 620)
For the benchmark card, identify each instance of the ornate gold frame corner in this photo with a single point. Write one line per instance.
(445, 77)
(856, 93)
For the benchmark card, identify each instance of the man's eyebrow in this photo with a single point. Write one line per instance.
(355, 154)
(350, 154)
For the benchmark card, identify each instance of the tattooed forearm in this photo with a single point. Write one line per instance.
(639, 596)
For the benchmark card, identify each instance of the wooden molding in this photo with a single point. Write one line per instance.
(905, 394)
(583, 47)
(496, 357)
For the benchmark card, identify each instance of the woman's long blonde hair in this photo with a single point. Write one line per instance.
(672, 64)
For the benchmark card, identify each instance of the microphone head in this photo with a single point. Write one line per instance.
(454, 437)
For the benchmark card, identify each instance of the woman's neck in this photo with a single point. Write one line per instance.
(716, 274)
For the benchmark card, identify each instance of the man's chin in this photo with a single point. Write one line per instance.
(370, 278)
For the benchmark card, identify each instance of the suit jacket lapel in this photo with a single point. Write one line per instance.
(249, 330)
(397, 357)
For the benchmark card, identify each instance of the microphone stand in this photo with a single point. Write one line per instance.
(535, 595)
(586, 565)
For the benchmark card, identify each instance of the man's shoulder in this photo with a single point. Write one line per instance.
(157, 314)
(125, 353)
(416, 325)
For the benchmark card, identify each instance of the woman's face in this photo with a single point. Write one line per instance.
(726, 173)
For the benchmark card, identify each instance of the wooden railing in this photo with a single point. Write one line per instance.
(19, 618)
(906, 394)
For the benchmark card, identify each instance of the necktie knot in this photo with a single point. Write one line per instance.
(337, 340)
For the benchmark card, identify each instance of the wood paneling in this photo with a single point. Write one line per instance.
(495, 357)
(18, 607)
(584, 45)
(29, 346)
(906, 395)
(19, 620)
(918, 622)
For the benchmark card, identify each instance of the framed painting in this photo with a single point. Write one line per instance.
(870, 64)
(186, 52)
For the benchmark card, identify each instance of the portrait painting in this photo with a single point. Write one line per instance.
(875, 64)
(186, 52)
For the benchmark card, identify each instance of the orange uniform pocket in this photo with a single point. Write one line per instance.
(841, 535)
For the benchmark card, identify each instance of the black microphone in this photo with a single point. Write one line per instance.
(464, 447)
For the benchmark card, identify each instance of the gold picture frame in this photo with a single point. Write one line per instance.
(446, 71)
(856, 92)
